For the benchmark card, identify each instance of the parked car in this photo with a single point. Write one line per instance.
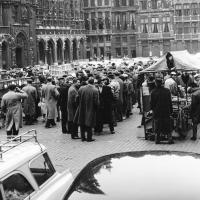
(27, 173)
(144, 175)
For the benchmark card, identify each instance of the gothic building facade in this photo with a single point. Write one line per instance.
(17, 33)
(47, 31)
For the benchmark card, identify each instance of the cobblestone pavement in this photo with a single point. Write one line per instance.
(74, 154)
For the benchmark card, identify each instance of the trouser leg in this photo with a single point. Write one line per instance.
(82, 127)
(111, 126)
(194, 128)
(89, 133)
(64, 122)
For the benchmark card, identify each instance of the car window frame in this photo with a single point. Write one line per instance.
(22, 174)
(51, 165)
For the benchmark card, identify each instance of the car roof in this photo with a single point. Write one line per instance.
(18, 155)
(140, 175)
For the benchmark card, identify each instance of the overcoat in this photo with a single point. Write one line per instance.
(106, 104)
(121, 91)
(30, 102)
(50, 94)
(72, 104)
(88, 102)
(11, 105)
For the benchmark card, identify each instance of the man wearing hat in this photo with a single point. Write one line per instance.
(171, 84)
(161, 105)
(50, 94)
(195, 110)
(62, 102)
(11, 106)
(30, 102)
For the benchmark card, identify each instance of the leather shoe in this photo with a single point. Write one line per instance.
(112, 132)
(193, 138)
(91, 140)
(83, 139)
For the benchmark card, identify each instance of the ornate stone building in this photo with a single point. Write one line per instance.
(186, 25)
(124, 28)
(97, 15)
(155, 27)
(48, 31)
(17, 33)
(110, 27)
(60, 31)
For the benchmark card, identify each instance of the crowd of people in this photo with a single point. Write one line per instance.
(87, 98)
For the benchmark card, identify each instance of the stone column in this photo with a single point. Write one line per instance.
(55, 53)
(71, 50)
(45, 53)
(78, 49)
(63, 53)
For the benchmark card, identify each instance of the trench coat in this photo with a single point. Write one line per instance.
(11, 105)
(88, 98)
(72, 104)
(50, 94)
(30, 102)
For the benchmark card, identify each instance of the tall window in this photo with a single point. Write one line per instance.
(87, 22)
(92, 3)
(186, 28)
(144, 25)
(178, 9)
(123, 2)
(131, 2)
(194, 9)
(85, 3)
(179, 28)
(117, 18)
(99, 2)
(194, 28)
(117, 3)
(166, 22)
(93, 20)
(106, 2)
(143, 5)
(154, 4)
(186, 9)
(132, 21)
(100, 20)
(107, 20)
(124, 22)
(155, 25)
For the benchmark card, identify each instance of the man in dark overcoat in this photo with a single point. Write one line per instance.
(30, 102)
(72, 107)
(195, 111)
(62, 103)
(161, 105)
(86, 112)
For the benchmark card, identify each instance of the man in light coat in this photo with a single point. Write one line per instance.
(30, 102)
(12, 107)
(86, 112)
(50, 94)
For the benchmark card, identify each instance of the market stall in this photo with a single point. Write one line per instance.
(179, 61)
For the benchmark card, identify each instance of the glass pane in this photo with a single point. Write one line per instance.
(42, 169)
(17, 187)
